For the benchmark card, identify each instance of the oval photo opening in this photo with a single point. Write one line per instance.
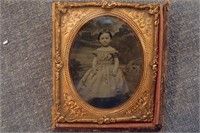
(106, 62)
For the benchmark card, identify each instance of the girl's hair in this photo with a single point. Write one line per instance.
(104, 32)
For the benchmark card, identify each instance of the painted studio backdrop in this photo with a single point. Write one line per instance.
(124, 46)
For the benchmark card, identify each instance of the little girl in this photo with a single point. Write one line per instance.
(104, 84)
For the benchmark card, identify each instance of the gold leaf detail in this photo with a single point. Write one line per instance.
(144, 22)
(57, 58)
(61, 8)
(58, 116)
(156, 12)
(71, 107)
(71, 110)
(143, 111)
(155, 64)
(105, 120)
(71, 18)
(58, 61)
(108, 4)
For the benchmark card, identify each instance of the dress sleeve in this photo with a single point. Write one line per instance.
(115, 53)
(94, 52)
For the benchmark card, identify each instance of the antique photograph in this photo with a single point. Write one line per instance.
(109, 65)
(106, 62)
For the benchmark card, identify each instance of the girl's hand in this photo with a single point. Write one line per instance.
(94, 70)
(116, 65)
(113, 73)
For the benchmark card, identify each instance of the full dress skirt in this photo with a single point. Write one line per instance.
(102, 83)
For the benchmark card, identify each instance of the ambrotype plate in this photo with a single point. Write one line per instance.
(108, 65)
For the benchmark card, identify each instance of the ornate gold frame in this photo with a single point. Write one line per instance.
(142, 110)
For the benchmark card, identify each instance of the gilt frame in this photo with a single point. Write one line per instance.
(144, 108)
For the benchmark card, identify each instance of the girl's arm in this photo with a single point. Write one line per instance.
(116, 65)
(94, 63)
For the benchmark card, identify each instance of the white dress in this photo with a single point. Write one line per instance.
(101, 83)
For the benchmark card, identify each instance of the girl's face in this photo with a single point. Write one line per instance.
(105, 39)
